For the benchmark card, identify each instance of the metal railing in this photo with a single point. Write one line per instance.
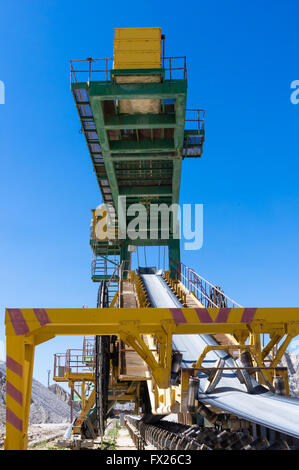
(197, 116)
(73, 361)
(89, 346)
(59, 365)
(91, 66)
(103, 266)
(85, 70)
(208, 294)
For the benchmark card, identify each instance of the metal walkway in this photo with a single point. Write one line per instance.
(262, 407)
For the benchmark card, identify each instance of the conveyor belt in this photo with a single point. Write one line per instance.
(263, 407)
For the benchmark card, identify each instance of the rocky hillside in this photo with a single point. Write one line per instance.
(46, 406)
(64, 396)
(61, 393)
(291, 361)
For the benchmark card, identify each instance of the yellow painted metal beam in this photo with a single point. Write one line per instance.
(86, 406)
(275, 338)
(27, 327)
(19, 367)
(41, 322)
(113, 301)
(281, 350)
(218, 347)
(79, 376)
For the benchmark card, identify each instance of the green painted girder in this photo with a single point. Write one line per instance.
(174, 256)
(150, 200)
(150, 233)
(145, 191)
(109, 91)
(147, 146)
(138, 179)
(102, 277)
(140, 121)
(126, 150)
(149, 242)
(141, 157)
(109, 260)
(104, 249)
(125, 72)
(100, 253)
(98, 114)
(145, 165)
(176, 180)
(154, 183)
(180, 111)
(142, 173)
(194, 132)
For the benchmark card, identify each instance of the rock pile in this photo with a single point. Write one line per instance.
(46, 406)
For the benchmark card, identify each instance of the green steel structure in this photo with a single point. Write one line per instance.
(136, 153)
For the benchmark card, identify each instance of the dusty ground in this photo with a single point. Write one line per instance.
(41, 436)
(46, 406)
(44, 437)
(124, 441)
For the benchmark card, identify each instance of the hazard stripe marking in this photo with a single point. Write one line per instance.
(178, 315)
(42, 316)
(204, 315)
(18, 321)
(248, 315)
(14, 393)
(14, 366)
(14, 420)
(223, 315)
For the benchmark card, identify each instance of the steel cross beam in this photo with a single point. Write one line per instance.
(140, 121)
(111, 91)
(97, 109)
(26, 328)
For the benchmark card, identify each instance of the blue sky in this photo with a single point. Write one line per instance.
(241, 59)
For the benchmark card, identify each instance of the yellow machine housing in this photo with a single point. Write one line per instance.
(137, 48)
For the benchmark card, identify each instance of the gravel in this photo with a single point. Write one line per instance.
(291, 361)
(46, 406)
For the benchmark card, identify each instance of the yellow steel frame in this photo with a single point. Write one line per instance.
(87, 402)
(86, 406)
(142, 299)
(27, 328)
(178, 288)
(217, 347)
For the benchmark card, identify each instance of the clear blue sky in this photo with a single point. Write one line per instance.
(242, 57)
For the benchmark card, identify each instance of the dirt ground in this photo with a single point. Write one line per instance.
(44, 437)
(124, 441)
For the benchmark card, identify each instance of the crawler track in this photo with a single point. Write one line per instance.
(167, 435)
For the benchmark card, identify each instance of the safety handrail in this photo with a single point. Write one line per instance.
(105, 66)
(200, 118)
(73, 361)
(204, 290)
